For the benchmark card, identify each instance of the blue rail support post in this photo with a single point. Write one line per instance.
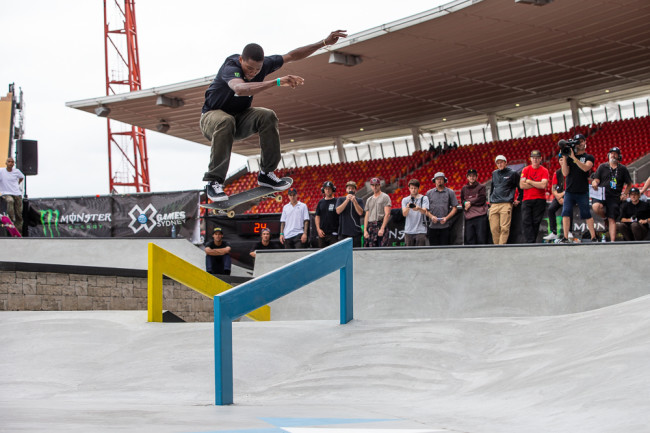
(265, 289)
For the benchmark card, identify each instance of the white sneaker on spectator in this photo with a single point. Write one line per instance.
(550, 237)
(570, 235)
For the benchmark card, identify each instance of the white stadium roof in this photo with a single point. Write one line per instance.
(459, 62)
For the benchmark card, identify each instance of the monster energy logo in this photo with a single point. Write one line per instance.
(48, 217)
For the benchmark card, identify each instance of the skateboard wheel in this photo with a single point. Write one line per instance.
(231, 213)
(278, 198)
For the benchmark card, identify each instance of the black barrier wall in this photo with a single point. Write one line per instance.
(152, 215)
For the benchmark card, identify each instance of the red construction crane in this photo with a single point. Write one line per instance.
(126, 143)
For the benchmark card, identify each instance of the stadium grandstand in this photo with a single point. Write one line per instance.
(498, 90)
(447, 339)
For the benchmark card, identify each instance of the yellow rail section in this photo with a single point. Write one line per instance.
(162, 262)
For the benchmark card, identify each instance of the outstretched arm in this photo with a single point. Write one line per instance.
(302, 52)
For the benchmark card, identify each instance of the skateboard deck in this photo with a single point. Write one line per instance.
(227, 206)
(10, 227)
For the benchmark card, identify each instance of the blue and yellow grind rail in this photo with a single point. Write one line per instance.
(162, 262)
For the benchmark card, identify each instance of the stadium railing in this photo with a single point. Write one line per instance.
(234, 303)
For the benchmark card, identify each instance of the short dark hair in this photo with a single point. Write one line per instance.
(253, 52)
(414, 182)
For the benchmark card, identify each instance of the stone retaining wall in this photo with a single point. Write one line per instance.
(49, 291)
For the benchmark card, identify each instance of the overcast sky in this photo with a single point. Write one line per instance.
(54, 51)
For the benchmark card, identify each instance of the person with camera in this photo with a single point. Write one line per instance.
(350, 211)
(326, 219)
(576, 164)
(617, 182)
(415, 210)
(505, 184)
(533, 181)
(474, 199)
(635, 215)
(442, 207)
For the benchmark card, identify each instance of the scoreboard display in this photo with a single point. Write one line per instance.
(255, 227)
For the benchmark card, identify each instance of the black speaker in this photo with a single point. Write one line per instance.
(27, 157)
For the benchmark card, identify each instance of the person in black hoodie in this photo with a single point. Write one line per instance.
(505, 183)
(474, 200)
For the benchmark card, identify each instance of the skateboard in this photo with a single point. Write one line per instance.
(227, 207)
(8, 225)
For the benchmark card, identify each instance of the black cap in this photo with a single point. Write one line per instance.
(217, 229)
(579, 137)
(615, 149)
(472, 171)
(292, 191)
(635, 190)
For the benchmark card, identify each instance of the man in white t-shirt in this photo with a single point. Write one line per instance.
(294, 222)
(10, 179)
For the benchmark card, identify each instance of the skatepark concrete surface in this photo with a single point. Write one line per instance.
(118, 253)
(108, 371)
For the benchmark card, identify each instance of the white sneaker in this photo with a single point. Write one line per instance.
(214, 191)
(570, 235)
(550, 237)
(271, 180)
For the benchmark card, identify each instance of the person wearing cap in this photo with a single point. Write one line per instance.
(294, 222)
(575, 169)
(533, 181)
(326, 219)
(217, 259)
(616, 179)
(634, 218)
(415, 208)
(473, 198)
(264, 243)
(350, 211)
(644, 188)
(442, 207)
(377, 215)
(505, 184)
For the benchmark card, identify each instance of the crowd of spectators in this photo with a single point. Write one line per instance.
(487, 213)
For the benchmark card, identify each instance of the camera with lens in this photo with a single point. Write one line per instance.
(412, 204)
(567, 145)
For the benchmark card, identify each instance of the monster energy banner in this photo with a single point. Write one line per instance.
(134, 215)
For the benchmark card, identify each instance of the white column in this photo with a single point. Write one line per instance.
(416, 138)
(340, 150)
(575, 106)
(494, 128)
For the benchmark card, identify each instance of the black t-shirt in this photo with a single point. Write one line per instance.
(349, 219)
(329, 219)
(216, 264)
(260, 246)
(613, 179)
(640, 211)
(577, 182)
(220, 96)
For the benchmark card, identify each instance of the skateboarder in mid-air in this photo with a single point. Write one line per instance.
(227, 114)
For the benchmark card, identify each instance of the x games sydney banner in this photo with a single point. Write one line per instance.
(134, 215)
